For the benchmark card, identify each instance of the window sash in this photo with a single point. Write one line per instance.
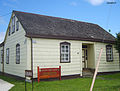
(13, 24)
(65, 52)
(17, 54)
(1, 56)
(7, 55)
(109, 53)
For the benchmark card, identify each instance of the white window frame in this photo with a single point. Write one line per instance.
(65, 52)
(18, 54)
(7, 55)
(109, 53)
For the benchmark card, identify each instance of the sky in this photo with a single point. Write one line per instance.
(92, 11)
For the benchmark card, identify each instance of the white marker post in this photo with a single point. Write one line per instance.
(96, 70)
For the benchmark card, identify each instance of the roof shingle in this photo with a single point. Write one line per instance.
(53, 27)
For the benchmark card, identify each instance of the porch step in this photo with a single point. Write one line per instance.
(88, 73)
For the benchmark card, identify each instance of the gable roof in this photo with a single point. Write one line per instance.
(41, 26)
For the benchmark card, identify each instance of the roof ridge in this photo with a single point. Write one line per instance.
(55, 17)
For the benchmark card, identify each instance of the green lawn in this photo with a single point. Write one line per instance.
(77, 84)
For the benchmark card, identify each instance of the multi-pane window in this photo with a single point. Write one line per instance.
(109, 53)
(13, 24)
(9, 30)
(18, 54)
(7, 56)
(17, 25)
(64, 52)
(1, 56)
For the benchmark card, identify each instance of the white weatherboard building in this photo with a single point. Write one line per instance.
(71, 44)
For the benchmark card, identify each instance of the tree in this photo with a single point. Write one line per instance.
(117, 43)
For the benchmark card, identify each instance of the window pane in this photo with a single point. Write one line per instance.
(66, 50)
(62, 55)
(63, 46)
(67, 47)
(66, 55)
(62, 59)
(63, 50)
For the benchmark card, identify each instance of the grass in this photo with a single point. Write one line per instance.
(77, 84)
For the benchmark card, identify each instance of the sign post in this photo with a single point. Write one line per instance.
(28, 73)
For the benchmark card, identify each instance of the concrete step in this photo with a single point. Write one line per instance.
(88, 76)
(87, 73)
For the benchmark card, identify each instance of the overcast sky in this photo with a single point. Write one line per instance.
(93, 11)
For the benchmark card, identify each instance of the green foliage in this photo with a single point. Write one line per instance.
(109, 30)
(117, 42)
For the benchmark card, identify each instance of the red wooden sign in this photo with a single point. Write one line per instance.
(44, 73)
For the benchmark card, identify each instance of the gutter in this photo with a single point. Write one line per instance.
(31, 55)
(69, 38)
(3, 60)
(32, 60)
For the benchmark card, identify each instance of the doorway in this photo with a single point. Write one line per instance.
(84, 56)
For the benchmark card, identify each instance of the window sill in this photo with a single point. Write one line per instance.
(64, 62)
(109, 60)
(17, 63)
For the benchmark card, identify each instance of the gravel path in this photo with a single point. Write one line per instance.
(5, 86)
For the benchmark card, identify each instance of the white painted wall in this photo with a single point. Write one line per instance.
(46, 53)
(91, 56)
(10, 42)
(104, 65)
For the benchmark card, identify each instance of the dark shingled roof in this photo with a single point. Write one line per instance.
(42, 26)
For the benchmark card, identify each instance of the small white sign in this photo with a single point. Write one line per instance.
(28, 73)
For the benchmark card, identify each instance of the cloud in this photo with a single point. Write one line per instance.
(2, 35)
(96, 2)
(73, 4)
(99, 2)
